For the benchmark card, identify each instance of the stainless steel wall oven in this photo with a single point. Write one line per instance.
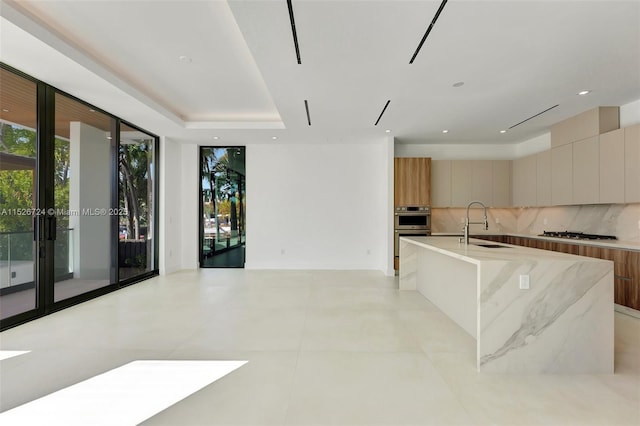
(412, 218)
(410, 221)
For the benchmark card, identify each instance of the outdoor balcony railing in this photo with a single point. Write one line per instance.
(17, 257)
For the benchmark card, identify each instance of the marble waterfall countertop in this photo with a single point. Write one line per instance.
(562, 323)
(475, 253)
(617, 244)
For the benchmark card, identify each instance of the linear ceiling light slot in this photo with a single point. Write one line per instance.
(383, 110)
(426, 34)
(533, 116)
(306, 107)
(293, 31)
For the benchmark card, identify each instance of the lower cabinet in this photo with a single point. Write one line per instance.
(626, 264)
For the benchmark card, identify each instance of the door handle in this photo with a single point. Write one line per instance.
(51, 232)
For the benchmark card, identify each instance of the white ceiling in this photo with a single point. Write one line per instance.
(243, 83)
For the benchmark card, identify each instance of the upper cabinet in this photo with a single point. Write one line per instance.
(461, 182)
(543, 178)
(632, 164)
(441, 183)
(585, 125)
(586, 171)
(456, 183)
(412, 181)
(562, 175)
(502, 182)
(524, 181)
(612, 167)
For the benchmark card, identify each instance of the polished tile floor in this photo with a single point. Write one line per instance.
(324, 348)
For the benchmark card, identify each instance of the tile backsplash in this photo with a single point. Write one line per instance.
(621, 220)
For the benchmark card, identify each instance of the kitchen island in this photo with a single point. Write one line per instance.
(563, 323)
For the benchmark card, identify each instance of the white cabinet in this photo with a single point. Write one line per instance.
(456, 183)
(586, 171)
(461, 186)
(585, 125)
(632, 164)
(524, 181)
(543, 178)
(440, 183)
(482, 181)
(562, 175)
(502, 181)
(612, 167)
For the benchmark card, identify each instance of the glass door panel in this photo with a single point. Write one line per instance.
(136, 203)
(82, 197)
(222, 225)
(18, 117)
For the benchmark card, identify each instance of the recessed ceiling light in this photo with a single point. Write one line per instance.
(274, 137)
(503, 131)
(215, 138)
(388, 131)
(184, 59)
(445, 131)
(458, 84)
(584, 92)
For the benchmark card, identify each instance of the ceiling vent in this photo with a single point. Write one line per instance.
(533, 116)
(426, 34)
(293, 30)
(383, 110)
(306, 107)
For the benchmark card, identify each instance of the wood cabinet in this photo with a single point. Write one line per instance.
(626, 264)
(412, 181)
(632, 164)
(611, 167)
(543, 178)
(586, 171)
(441, 183)
(524, 181)
(562, 175)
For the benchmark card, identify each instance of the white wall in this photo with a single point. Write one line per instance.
(630, 114)
(318, 206)
(457, 151)
(90, 188)
(170, 206)
(188, 167)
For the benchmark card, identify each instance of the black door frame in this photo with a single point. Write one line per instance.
(45, 224)
(241, 187)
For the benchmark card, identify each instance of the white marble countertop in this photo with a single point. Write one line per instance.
(476, 254)
(622, 245)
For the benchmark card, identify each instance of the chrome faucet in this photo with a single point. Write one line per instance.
(467, 222)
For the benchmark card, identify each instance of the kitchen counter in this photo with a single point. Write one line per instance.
(562, 324)
(618, 244)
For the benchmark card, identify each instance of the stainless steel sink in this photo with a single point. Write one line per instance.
(487, 245)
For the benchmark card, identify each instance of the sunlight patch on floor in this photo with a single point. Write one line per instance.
(10, 354)
(126, 395)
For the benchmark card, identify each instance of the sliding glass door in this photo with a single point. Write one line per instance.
(223, 207)
(82, 198)
(136, 202)
(78, 194)
(18, 201)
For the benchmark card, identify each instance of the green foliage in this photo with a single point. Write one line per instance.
(135, 185)
(17, 188)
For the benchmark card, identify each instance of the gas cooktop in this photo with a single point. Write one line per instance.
(576, 235)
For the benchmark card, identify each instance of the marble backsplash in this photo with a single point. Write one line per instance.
(621, 220)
